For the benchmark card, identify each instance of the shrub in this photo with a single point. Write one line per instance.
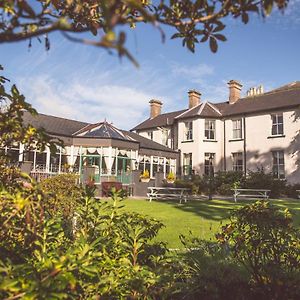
(210, 273)
(179, 183)
(110, 254)
(262, 239)
(225, 181)
(63, 193)
(291, 190)
(261, 180)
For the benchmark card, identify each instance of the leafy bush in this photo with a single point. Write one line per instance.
(225, 181)
(291, 190)
(109, 253)
(261, 180)
(210, 273)
(263, 240)
(63, 193)
(179, 183)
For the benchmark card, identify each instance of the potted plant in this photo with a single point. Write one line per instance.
(145, 177)
(171, 177)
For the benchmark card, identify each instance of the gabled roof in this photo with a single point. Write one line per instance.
(204, 109)
(52, 124)
(161, 120)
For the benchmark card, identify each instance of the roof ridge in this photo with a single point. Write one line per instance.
(78, 131)
(201, 108)
(214, 108)
(188, 110)
(281, 89)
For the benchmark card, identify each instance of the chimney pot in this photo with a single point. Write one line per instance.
(234, 91)
(194, 98)
(155, 108)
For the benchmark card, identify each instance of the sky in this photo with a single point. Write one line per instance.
(88, 84)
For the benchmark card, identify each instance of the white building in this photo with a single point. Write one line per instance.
(261, 130)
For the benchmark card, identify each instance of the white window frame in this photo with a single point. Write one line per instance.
(150, 135)
(277, 125)
(278, 164)
(209, 164)
(237, 129)
(165, 137)
(188, 131)
(236, 158)
(187, 162)
(209, 130)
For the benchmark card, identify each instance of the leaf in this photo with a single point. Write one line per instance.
(204, 38)
(177, 35)
(213, 44)
(268, 6)
(245, 18)
(219, 27)
(220, 37)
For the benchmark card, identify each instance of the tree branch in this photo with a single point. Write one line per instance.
(57, 26)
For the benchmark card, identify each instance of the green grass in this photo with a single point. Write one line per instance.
(202, 218)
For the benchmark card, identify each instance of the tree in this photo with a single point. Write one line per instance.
(193, 21)
(13, 131)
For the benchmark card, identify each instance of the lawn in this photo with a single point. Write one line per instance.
(202, 218)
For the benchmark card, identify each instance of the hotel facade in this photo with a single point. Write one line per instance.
(259, 131)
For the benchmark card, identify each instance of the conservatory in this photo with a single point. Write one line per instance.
(111, 152)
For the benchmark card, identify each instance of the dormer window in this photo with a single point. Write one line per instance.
(188, 134)
(165, 137)
(150, 135)
(277, 124)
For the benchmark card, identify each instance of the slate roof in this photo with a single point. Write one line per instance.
(283, 97)
(287, 96)
(53, 125)
(147, 143)
(166, 119)
(71, 128)
(204, 109)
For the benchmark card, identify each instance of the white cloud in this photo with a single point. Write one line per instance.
(122, 105)
(195, 74)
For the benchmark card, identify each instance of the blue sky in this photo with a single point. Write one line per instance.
(88, 84)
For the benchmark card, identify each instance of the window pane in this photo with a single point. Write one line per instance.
(280, 129)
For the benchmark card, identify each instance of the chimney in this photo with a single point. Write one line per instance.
(155, 108)
(234, 91)
(194, 98)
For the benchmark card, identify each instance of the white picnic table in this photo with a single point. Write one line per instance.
(251, 193)
(298, 191)
(166, 193)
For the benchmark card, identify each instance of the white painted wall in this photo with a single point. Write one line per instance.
(158, 135)
(258, 143)
(199, 146)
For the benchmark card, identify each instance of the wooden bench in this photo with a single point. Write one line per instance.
(167, 193)
(250, 193)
